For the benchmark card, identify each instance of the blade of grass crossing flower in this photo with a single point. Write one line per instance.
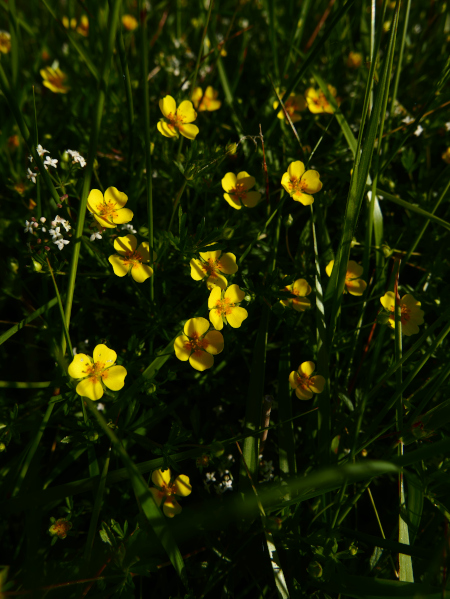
(152, 512)
(96, 509)
(335, 289)
(286, 440)
(17, 327)
(113, 19)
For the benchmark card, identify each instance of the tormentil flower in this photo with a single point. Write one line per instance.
(294, 104)
(237, 190)
(207, 101)
(129, 259)
(411, 314)
(446, 156)
(129, 22)
(354, 60)
(211, 265)
(60, 528)
(54, 79)
(97, 372)
(299, 289)
(177, 119)
(83, 27)
(224, 307)
(5, 42)
(305, 384)
(354, 285)
(109, 210)
(299, 184)
(167, 490)
(198, 345)
(317, 102)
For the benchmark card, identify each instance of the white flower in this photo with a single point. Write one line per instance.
(65, 49)
(50, 162)
(35, 224)
(76, 157)
(55, 233)
(100, 406)
(44, 230)
(447, 126)
(95, 236)
(130, 228)
(61, 243)
(418, 131)
(42, 219)
(31, 176)
(408, 120)
(186, 85)
(210, 478)
(28, 227)
(417, 28)
(65, 223)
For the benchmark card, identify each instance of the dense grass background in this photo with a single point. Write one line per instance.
(350, 496)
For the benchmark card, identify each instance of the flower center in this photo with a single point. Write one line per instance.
(96, 371)
(57, 81)
(132, 257)
(296, 184)
(106, 210)
(196, 343)
(303, 380)
(224, 306)
(239, 191)
(169, 489)
(405, 314)
(210, 267)
(175, 120)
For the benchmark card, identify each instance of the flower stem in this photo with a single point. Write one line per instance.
(177, 200)
(61, 310)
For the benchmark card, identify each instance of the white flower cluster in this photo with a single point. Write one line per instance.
(129, 227)
(48, 161)
(76, 158)
(55, 231)
(265, 470)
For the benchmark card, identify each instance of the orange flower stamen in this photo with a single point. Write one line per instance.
(196, 344)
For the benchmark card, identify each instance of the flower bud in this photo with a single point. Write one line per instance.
(315, 570)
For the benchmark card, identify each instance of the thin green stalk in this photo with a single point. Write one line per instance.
(298, 33)
(175, 204)
(96, 509)
(61, 311)
(129, 96)
(98, 114)
(148, 157)
(200, 52)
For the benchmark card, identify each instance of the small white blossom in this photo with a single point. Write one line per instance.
(65, 223)
(28, 227)
(31, 176)
(408, 120)
(50, 162)
(129, 227)
(186, 85)
(76, 157)
(447, 126)
(417, 28)
(95, 236)
(44, 230)
(100, 407)
(210, 477)
(61, 243)
(65, 49)
(35, 225)
(55, 233)
(418, 131)
(42, 219)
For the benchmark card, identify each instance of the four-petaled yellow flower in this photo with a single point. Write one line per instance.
(128, 258)
(54, 79)
(197, 344)
(446, 156)
(305, 384)
(354, 285)
(300, 184)
(317, 102)
(109, 210)
(97, 372)
(224, 307)
(206, 101)
(177, 119)
(129, 22)
(5, 42)
(237, 188)
(294, 104)
(211, 266)
(411, 314)
(354, 60)
(167, 490)
(300, 289)
(60, 528)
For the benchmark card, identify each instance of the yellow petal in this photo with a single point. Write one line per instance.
(161, 478)
(409, 328)
(302, 287)
(189, 131)
(104, 223)
(307, 368)
(103, 354)
(118, 264)
(303, 198)
(197, 326)
(329, 268)
(229, 182)
(78, 367)
(124, 215)
(116, 197)
(168, 106)
(187, 112)
(233, 203)
(214, 341)
(216, 280)
(301, 304)
(236, 317)
(251, 199)
(216, 317)
(114, 377)
(215, 255)
(234, 294)
(303, 393)
(182, 485)
(313, 182)
(171, 507)
(356, 287)
(95, 198)
(91, 388)
(141, 272)
(246, 180)
(157, 495)
(354, 270)
(388, 300)
(409, 301)
(317, 383)
(181, 352)
(201, 360)
(227, 264)
(214, 297)
(144, 251)
(294, 379)
(285, 182)
(197, 272)
(166, 129)
(296, 169)
(196, 96)
(125, 244)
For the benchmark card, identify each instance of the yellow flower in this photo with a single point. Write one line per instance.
(317, 101)
(166, 491)
(446, 156)
(69, 24)
(295, 104)
(129, 22)
(83, 27)
(96, 372)
(197, 344)
(207, 101)
(305, 384)
(411, 314)
(211, 265)
(299, 184)
(224, 307)
(354, 285)
(300, 289)
(354, 60)
(237, 190)
(5, 42)
(60, 528)
(129, 259)
(109, 211)
(177, 119)
(54, 79)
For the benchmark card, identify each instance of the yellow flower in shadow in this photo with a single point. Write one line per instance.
(198, 344)
(224, 307)
(304, 384)
(212, 265)
(166, 490)
(206, 101)
(411, 316)
(54, 80)
(353, 284)
(129, 259)
(237, 190)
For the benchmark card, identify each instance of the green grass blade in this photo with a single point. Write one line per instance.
(96, 509)
(17, 327)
